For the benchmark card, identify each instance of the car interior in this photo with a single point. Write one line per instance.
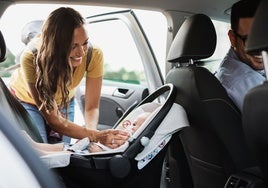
(222, 147)
(212, 154)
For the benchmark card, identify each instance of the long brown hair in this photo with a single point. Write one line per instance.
(54, 69)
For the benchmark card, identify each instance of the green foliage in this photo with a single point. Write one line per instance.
(124, 76)
(7, 63)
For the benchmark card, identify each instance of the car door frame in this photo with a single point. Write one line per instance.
(134, 93)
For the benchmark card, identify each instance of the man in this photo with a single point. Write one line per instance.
(239, 71)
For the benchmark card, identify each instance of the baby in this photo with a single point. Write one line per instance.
(126, 125)
(44, 148)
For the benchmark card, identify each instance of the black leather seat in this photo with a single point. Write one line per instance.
(255, 108)
(214, 143)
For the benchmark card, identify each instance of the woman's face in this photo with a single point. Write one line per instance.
(79, 45)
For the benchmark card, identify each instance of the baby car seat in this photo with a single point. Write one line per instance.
(140, 164)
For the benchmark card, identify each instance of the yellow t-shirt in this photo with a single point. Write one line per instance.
(26, 74)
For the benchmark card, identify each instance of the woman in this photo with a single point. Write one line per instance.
(52, 66)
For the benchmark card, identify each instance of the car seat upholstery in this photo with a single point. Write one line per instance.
(214, 143)
(255, 102)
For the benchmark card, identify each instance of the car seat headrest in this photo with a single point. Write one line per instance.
(258, 38)
(2, 48)
(195, 40)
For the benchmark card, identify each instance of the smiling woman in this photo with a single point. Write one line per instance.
(112, 43)
(52, 66)
(124, 60)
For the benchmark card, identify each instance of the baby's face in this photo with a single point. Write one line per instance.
(136, 123)
(139, 121)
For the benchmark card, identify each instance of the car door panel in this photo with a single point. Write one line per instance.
(113, 106)
(115, 100)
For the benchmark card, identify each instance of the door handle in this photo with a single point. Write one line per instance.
(123, 93)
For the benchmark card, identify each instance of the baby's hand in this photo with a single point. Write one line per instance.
(94, 148)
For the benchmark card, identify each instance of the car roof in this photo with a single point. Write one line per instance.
(217, 9)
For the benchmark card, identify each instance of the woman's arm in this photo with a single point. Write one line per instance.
(43, 148)
(111, 138)
(92, 101)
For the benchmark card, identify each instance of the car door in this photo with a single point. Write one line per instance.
(131, 71)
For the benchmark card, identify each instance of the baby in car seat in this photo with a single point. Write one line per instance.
(84, 144)
(126, 125)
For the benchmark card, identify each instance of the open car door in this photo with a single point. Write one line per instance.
(131, 71)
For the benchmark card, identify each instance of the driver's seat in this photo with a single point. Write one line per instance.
(214, 143)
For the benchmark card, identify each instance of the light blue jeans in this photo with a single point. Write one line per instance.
(41, 123)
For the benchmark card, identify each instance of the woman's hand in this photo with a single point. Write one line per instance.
(112, 138)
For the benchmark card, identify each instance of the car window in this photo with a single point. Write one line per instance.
(222, 46)
(122, 60)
